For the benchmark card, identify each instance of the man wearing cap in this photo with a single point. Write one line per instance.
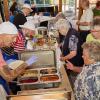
(29, 31)
(8, 35)
(20, 18)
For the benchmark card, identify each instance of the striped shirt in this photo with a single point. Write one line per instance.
(19, 44)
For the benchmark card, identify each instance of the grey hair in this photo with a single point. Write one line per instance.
(93, 50)
(60, 15)
(62, 23)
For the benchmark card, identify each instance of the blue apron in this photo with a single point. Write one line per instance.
(5, 85)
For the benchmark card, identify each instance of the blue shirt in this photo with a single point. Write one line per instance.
(5, 85)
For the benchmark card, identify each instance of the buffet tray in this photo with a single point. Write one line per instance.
(50, 80)
(42, 55)
(26, 76)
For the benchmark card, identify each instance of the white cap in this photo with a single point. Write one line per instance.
(28, 25)
(8, 28)
(27, 6)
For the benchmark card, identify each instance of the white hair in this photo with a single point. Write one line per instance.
(62, 23)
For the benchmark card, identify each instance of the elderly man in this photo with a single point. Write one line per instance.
(20, 18)
(71, 48)
(8, 35)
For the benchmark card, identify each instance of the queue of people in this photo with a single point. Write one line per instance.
(85, 83)
(80, 50)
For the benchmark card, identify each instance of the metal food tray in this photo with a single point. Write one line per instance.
(21, 77)
(43, 57)
(49, 68)
(39, 75)
(39, 83)
(46, 82)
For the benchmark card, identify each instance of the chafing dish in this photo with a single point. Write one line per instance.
(28, 77)
(28, 80)
(30, 73)
(49, 78)
(48, 71)
(34, 79)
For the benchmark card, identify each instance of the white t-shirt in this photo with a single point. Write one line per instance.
(86, 17)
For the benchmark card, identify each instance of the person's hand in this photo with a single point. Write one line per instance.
(62, 59)
(31, 60)
(69, 65)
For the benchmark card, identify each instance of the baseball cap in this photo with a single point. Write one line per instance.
(8, 28)
(29, 25)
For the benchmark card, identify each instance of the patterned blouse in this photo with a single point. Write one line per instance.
(87, 84)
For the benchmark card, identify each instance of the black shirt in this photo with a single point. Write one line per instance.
(19, 19)
(72, 43)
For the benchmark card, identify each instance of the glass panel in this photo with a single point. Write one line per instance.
(45, 1)
(68, 5)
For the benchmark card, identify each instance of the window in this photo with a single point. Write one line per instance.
(68, 5)
(45, 1)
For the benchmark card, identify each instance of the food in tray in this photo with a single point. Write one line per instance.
(30, 73)
(41, 41)
(28, 80)
(48, 71)
(38, 36)
(49, 78)
(51, 41)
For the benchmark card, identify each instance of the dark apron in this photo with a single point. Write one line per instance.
(5, 85)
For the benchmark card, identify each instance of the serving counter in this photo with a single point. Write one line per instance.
(63, 86)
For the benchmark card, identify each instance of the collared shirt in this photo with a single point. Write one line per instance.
(87, 84)
(91, 38)
(86, 17)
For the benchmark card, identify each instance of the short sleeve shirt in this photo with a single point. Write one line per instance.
(73, 40)
(87, 84)
(91, 38)
(86, 17)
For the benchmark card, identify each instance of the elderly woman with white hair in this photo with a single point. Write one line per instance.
(71, 48)
(87, 84)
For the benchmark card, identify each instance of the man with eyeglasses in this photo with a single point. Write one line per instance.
(95, 31)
